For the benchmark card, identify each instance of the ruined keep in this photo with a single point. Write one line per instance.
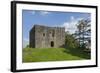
(47, 37)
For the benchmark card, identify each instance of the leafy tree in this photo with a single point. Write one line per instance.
(83, 32)
(70, 41)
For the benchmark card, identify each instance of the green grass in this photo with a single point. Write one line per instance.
(53, 54)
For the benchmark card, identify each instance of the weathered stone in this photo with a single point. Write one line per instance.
(47, 37)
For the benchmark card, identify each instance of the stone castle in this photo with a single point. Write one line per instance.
(47, 37)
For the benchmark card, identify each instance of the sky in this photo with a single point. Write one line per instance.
(50, 18)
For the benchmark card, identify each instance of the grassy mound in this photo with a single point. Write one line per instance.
(53, 54)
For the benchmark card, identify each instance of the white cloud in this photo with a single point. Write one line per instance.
(33, 12)
(71, 24)
(41, 12)
(72, 18)
(44, 12)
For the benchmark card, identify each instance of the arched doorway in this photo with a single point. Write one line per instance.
(52, 44)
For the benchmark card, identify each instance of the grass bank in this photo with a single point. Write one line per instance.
(53, 54)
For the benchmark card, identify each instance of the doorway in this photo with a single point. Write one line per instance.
(52, 44)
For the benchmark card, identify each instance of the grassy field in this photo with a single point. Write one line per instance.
(53, 54)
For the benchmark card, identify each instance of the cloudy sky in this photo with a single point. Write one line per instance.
(50, 18)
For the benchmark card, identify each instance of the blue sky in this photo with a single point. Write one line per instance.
(50, 18)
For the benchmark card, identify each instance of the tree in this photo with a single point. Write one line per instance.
(83, 33)
(70, 41)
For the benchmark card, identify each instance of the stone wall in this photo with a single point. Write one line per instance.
(47, 37)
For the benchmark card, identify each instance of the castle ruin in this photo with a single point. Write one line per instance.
(47, 37)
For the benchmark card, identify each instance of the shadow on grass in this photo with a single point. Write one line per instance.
(78, 52)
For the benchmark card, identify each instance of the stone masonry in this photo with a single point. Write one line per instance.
(47, 37)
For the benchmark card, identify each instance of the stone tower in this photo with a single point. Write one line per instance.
(47, 37)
